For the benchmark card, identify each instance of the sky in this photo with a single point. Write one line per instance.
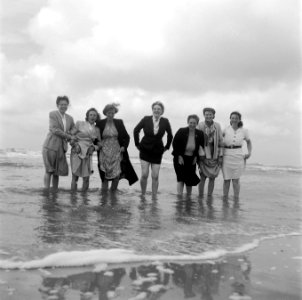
(242, 55)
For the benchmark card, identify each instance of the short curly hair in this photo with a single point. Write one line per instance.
(210, 109)
(97, 113)
(159, 104)
(111, 106)
(62, 98)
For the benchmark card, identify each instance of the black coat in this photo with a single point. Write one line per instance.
(123, 139)
(180, 141)
(151, 142)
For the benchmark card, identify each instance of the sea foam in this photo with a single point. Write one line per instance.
(115, 256)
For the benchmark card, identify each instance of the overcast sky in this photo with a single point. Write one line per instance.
(228, 54)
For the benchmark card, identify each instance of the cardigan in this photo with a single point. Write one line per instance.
(181, 139)
(151, 142)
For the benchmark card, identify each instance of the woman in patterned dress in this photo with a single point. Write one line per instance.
(113, 152)
(233, 157)
(81, 152)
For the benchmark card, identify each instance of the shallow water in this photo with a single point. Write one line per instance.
(35, 223)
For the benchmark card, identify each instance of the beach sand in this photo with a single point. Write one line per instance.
(271, 271)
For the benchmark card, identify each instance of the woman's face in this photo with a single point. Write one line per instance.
(192, 123)
(62, 106)
(110, 114)
(208, 116)
(235, 119)
(92, 117)
(157, 111)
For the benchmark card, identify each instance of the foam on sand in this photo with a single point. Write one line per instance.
(115, 256)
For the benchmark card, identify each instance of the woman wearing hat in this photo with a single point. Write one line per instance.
(151, 147)
(233, 157)
(113, 159)
(211, 159)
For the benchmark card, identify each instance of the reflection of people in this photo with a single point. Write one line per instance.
(113, 159)
(186, 144)
(233, 158)
(210, 162)
(151, 147)
(82, 150)
(55, 145)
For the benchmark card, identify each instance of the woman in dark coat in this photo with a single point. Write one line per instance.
(113, 159)
(151, 147)
(186, 145)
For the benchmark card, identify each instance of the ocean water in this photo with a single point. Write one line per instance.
(45, 230)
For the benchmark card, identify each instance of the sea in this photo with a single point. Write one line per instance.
(42, 230)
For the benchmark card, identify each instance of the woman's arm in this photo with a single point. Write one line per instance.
(169, 135)
(137, 130)
(125, 136)
(249, 149)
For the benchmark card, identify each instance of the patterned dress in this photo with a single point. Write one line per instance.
(110, 154)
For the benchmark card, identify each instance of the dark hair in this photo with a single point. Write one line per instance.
(193, 117)
(97, 113)
(240, 123)
(110, 106)
(210, 109)
(61, 98)
(159, 104)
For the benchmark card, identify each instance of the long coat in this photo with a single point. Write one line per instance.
(123, 138)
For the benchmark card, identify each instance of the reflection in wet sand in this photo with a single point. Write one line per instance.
(227, 278)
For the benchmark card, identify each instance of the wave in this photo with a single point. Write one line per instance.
(166, 162)
(116, 256)
(272, 168)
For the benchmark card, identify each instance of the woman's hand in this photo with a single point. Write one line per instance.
(220, 159)
(77, 148)
(90, 150)
(122, 149)
(246, 156)
(180, 160)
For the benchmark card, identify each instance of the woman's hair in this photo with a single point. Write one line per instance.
(240, 123)
(97, 113)
(61, 98)
(159, 104)
(193, 117)
(210, 109)
(111, 106)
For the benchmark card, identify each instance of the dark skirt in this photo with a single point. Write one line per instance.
(153, 158)
(187, 172)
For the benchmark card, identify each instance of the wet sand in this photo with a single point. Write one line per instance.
(271, 271)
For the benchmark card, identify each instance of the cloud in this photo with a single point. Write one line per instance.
(232, 55)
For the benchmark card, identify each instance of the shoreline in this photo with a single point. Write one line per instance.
(271, 271)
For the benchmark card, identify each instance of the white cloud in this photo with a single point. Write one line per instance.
(232, 55)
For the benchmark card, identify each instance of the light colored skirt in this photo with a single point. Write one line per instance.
(233, 164)
(81, 167)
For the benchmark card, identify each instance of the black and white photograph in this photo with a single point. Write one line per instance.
(150, 150)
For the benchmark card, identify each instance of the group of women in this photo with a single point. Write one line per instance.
(201, 144)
